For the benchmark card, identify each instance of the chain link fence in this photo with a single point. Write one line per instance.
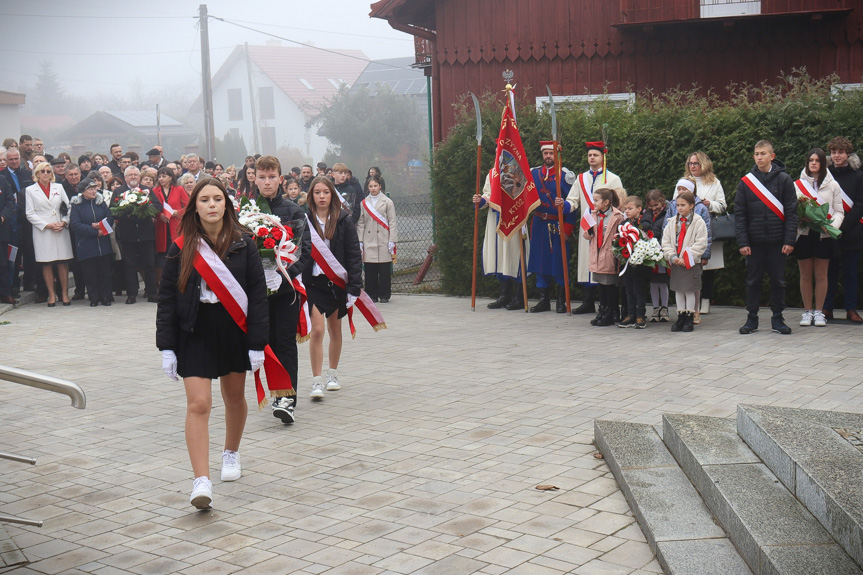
(415, 219)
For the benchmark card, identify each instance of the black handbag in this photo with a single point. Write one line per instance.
(722, 227)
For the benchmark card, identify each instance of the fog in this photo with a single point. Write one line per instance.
(110, 48)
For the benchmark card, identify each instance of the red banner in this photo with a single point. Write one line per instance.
(513, 192)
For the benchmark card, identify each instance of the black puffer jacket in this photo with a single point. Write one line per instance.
(851, 182)
(755, 222)
(288, 212)
(179, 310)
(345, 245)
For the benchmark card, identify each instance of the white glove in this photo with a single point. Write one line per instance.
(169, 363)
(351, 300)
(256, 358)
(273, 279)
(362, 249)
(391, 247)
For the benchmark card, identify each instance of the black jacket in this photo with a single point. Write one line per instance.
(293, 216)
(649, 223)
(25, 179)
(178, 310)
(353, 195)
(85, 213)
(754, 221)
(345, 245)
(851, 182)
(131, 229)
(8, 211)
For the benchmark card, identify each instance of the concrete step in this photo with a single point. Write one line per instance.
(807, 451)
(772, 531)
(678, 526)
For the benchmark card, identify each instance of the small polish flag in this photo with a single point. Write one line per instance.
(105, 226)
(12, 252)
(688, 258)
(167, 210)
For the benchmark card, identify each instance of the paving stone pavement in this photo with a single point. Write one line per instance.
(424, 463)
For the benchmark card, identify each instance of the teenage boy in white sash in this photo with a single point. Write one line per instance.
(765, 208)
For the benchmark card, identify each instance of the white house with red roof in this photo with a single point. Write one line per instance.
(289, 86)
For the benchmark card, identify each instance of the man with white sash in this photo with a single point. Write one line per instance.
(845, 169)
(597, 176)
(765, 209)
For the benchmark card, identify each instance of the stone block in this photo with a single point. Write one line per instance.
(692, 557)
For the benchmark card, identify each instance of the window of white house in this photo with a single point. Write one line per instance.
(268, 140)
(620, 99)
(265, 99)
(725, 8)
(235, 104)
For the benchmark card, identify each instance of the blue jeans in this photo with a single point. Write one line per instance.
(848, 262)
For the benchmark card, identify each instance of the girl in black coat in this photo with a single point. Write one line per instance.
(327, 300)
(199, 339)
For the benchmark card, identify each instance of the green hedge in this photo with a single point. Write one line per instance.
(648, 147)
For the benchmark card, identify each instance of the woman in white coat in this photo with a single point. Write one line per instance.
(376, 229)
(48, 211)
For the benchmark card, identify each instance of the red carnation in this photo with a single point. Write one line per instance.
(277, 234)
(263, 232)
(269, 243)
(289, 233)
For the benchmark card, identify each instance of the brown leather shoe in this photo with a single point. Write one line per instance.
(8, 299)
(854, 317)
(828, 314)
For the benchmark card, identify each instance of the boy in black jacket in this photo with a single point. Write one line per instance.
(766, 220)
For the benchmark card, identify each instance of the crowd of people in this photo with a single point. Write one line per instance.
(817, 218)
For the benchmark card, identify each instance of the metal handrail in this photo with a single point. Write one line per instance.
(47, 382)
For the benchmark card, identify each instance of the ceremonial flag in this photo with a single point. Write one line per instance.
(513, 192)
(12, 252)
(105, 226)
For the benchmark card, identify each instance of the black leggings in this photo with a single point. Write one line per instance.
(608, 295)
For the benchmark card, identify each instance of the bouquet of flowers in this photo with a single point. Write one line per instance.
(633, 246)
(277, 243)
(134, 204)
(816, 216)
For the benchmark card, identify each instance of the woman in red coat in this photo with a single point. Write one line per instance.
(175, 199)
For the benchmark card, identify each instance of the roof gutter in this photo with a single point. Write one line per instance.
(412, 30)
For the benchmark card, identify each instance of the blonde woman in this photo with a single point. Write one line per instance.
(48, 210)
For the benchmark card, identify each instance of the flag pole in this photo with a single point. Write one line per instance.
(559, 186)
(510, 101)
(476, 193)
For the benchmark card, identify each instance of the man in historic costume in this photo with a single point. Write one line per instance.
(597, 176)
(500, 257)
(545, 246)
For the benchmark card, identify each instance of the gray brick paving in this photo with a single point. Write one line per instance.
(424, 463)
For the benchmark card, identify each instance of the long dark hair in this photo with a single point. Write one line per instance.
(247, 188)
(334, 212)
(822, 170)
(192, 230)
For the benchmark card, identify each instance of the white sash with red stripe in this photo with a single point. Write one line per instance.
(236, 302)
(847, 202)
(337, 274)
(587, 219)
(809, 191)
(764, 195)
(375, 214)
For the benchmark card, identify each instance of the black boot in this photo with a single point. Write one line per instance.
(681, 319)
(607, 318)
(599, 315)
(587, 304)
(504, 298)
(615, 313)
(688, 322)
(561, 300)
(751, 325)
(517, 301)
(777, 324)
(544, 303)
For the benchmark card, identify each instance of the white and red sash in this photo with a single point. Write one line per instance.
(235, 300)
(765, 195)
(378, 217)
(808, 190)
(847, 202)
(105, 226)
(337, 274)
(587, 219)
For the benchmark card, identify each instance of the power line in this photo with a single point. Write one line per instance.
(92, 17)
(103, 54)
(320, 31)
(235, 23)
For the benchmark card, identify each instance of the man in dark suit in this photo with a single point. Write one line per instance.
(19, 178)
(8, 217)
(116, 153)
(137, 239)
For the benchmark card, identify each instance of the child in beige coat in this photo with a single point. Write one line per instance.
(602, 263)
(684, 241)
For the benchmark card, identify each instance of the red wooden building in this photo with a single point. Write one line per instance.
(588, 47)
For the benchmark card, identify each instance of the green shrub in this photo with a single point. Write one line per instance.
(648, 147)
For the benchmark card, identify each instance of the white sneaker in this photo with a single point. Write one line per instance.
(231, 469)
(806, 318)
(818, 319)
(317, 388)
(333, 380)
(705, 306)
(202, 493)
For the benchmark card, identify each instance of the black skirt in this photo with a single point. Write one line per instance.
(812, 245)
(217, 347)
(327, 297)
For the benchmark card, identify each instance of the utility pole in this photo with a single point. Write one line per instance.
(257, 148)
(207, 85)
(158, 125)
